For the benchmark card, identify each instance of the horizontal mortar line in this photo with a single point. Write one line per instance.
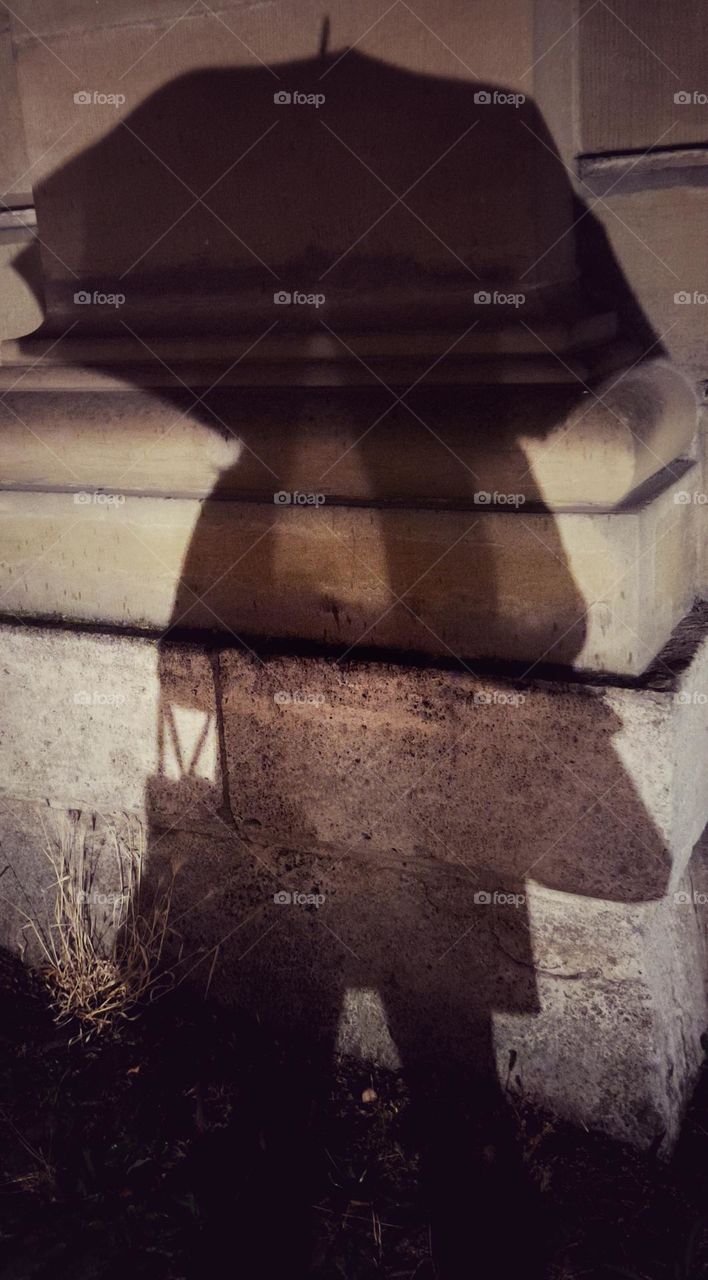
(212, 640)
(13, 215)
(283, 352)
(633, 503)
(30, 36)
(673, 149)
(623, 173)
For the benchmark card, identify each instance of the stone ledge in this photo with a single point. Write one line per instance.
(552, 446)
(594, 592)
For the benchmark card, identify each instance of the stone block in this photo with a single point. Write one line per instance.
(592, 591)
(549, 445)
(590, 1008)
(369, 758)
(402, 857)
(89, 719)
(656, 233)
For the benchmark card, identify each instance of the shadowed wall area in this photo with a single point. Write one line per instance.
(398, 953)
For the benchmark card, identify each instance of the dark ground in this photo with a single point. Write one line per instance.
(190, 1143)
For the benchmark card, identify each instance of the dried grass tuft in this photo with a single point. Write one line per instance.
(102, 970)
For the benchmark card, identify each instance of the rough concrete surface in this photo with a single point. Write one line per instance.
(387, 804)
(597, 592)
(550, 446)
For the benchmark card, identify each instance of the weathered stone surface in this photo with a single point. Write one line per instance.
(21, 284)
(83, 724)
(598, 1005)
(492, 875)
(367, 758)
(657, 234)
(600, 781)
(552, 446)
(15, 176)
(701, 523)
(621, 1015)
(40, 841)
(599, 592)
(592, 1008)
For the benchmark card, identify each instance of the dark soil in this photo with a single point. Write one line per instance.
(191, 1143)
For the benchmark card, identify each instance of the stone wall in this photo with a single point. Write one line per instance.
(388, 856)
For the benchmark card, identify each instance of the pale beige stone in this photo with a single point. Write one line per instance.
(554, 446)
(21, 284)
(593, 591)
(658, 237)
